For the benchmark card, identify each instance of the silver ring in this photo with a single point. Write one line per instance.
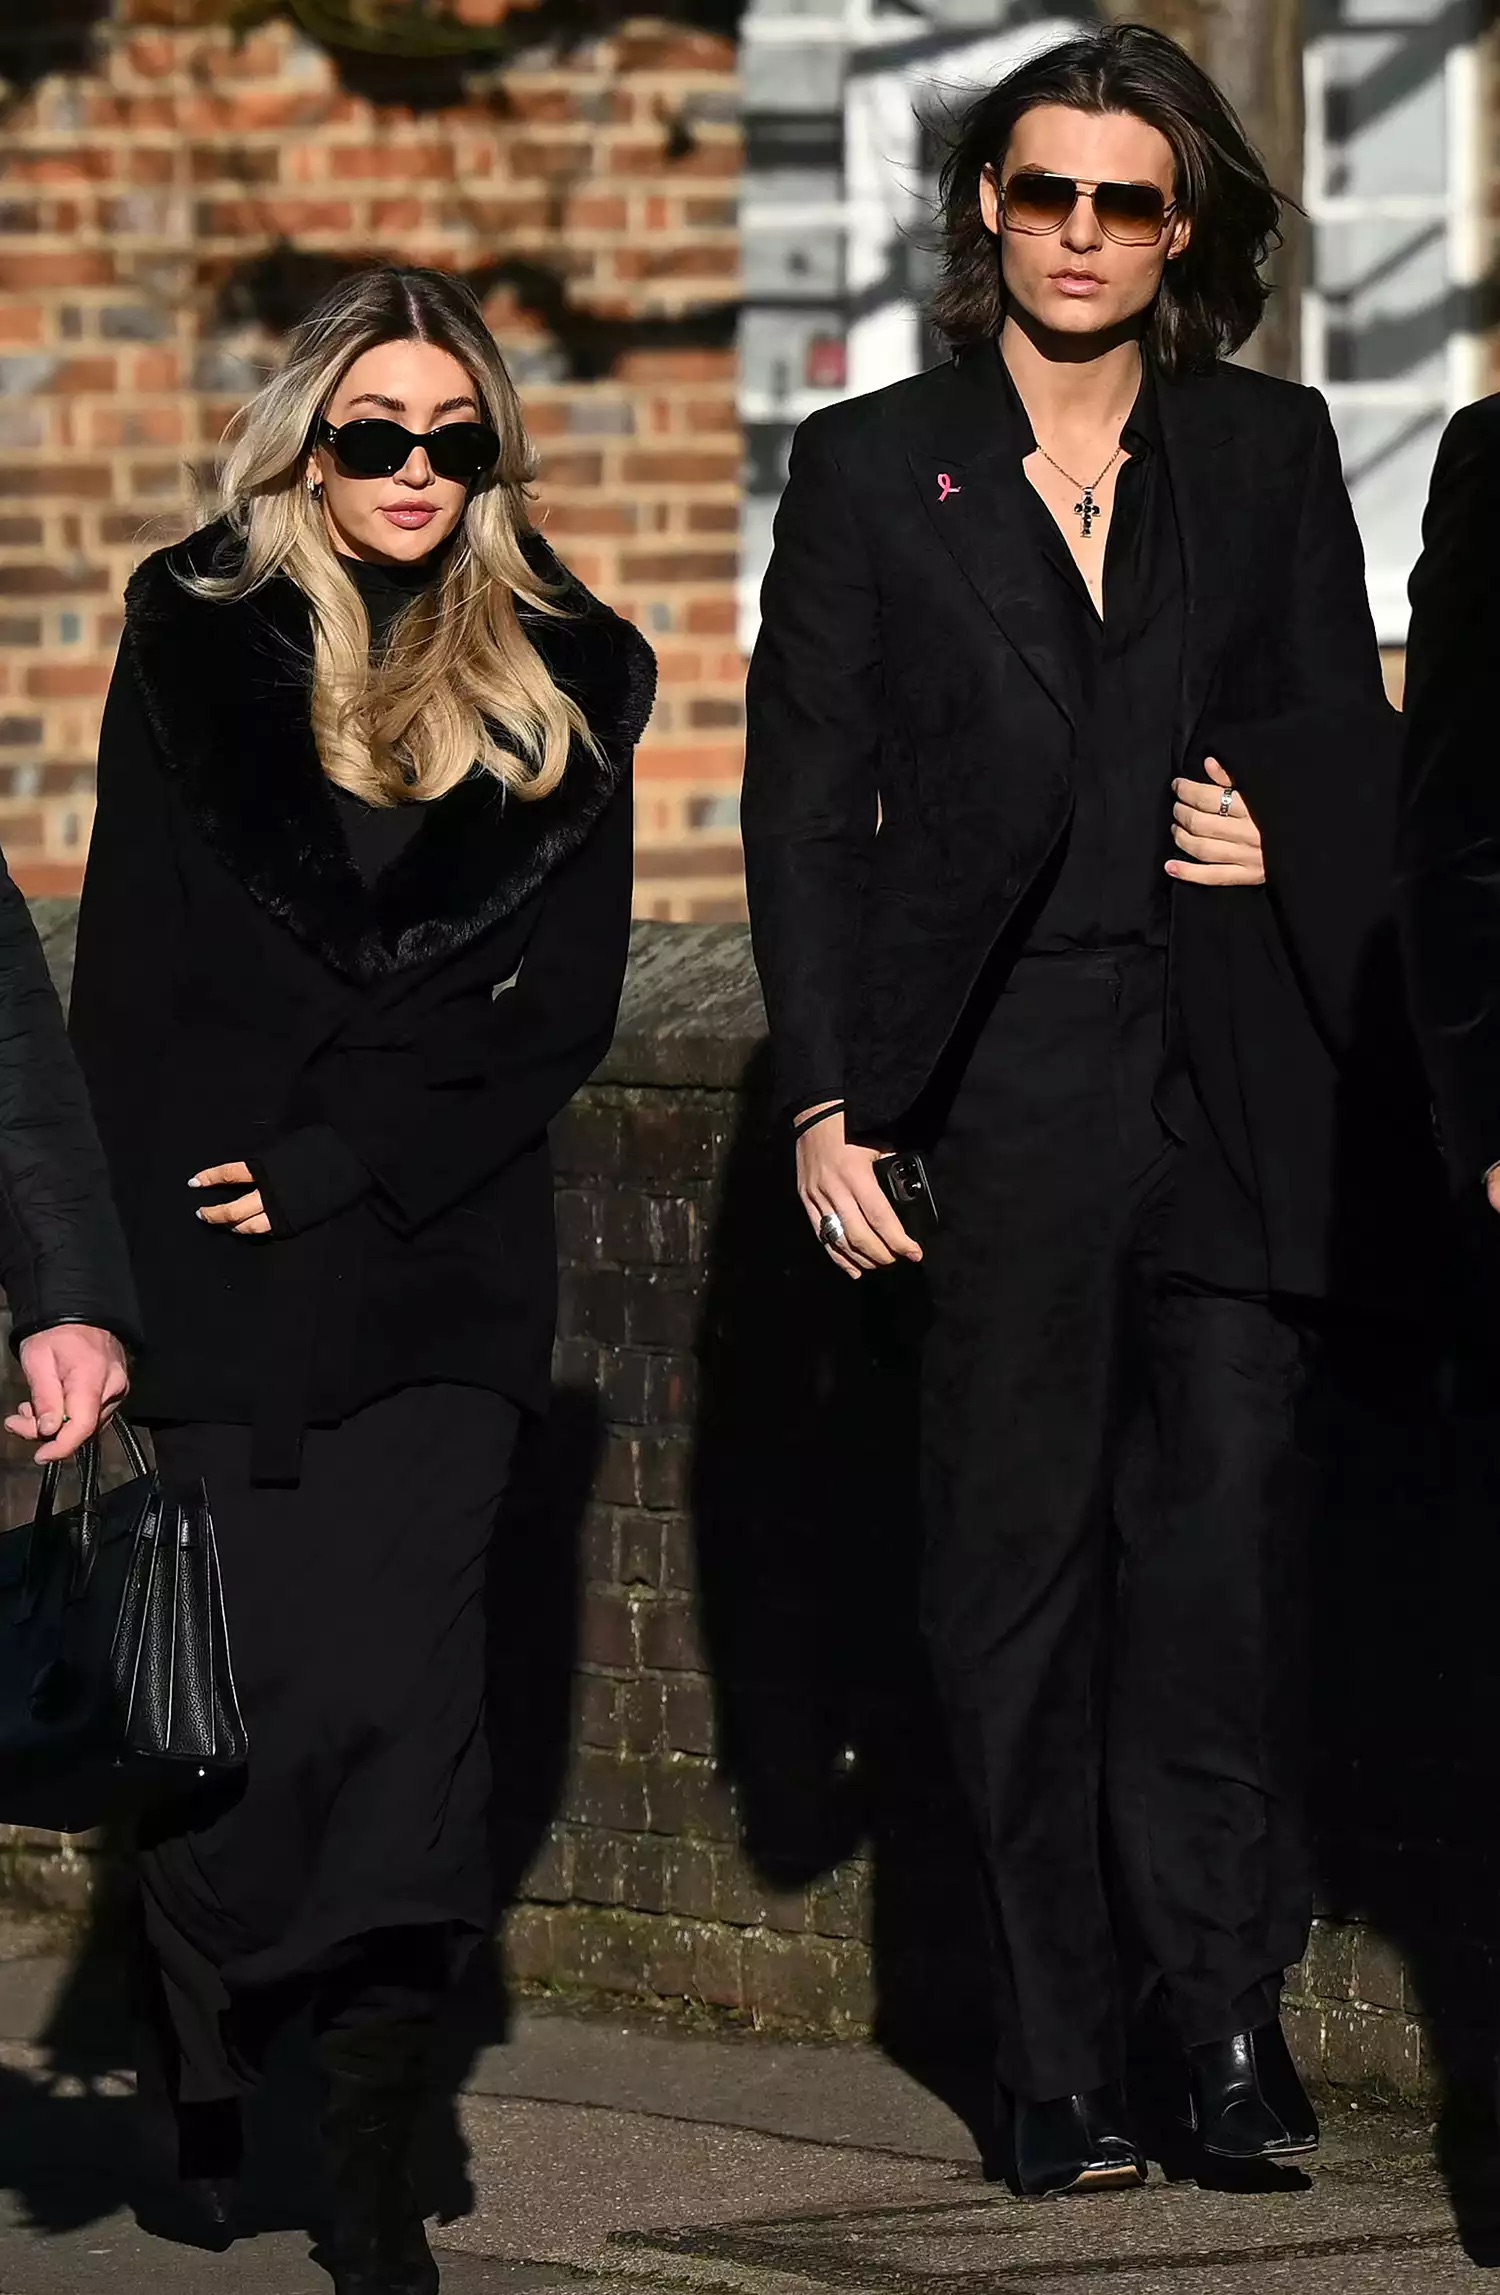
(831, 1230)
(1226, 800)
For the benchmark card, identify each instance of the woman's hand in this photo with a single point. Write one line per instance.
(834, 1177)
(246, 1215)
(1223, 847)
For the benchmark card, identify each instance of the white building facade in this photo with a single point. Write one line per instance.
(843, 100)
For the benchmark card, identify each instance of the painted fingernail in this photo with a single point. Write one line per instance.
(195, 1182)
(200, 1215)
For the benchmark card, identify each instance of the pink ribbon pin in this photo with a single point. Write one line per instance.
(946, 486)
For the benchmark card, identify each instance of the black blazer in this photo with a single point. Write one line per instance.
(387, 1058)
(1450, 826)
(911, 737)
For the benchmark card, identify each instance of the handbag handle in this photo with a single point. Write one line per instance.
(88, 1467)
(88, 1508)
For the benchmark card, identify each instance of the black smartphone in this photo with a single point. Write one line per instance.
(903, 1181)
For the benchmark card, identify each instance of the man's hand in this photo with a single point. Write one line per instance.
(78, 1379)
(833, 1176)
(1223, 847)
(246, 1215)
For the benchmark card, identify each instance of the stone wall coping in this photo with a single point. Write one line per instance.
(691, 1016)
(692, 1013)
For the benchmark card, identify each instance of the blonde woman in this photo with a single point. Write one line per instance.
(354, 930)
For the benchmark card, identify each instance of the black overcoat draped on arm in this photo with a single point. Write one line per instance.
(386, 1057)
(909, 772)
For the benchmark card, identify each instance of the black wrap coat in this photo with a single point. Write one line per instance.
(912, 729)
(387, 1058)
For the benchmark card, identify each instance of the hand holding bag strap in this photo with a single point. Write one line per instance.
(45, 1533)
(88, 1463)
(88, 1514)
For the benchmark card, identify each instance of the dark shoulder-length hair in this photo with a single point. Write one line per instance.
(1212, 296)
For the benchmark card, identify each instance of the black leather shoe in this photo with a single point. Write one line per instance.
(1247, 2100)
(214, 2198)
(192, 2211)
(194, 2155)
(1074, 2144)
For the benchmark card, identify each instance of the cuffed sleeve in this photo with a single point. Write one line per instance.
(308, 1176)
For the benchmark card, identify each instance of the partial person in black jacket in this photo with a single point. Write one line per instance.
(1065, 645)
(63, 1260)
(1450, 827)
(353, 932)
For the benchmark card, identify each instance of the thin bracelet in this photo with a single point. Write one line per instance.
(821, 1117)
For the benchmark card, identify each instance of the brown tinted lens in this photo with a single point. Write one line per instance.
(1036, 202)
(1130, 212)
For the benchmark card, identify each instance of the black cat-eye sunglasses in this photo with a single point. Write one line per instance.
(462, 451)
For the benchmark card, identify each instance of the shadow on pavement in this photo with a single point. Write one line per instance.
(805, 1508)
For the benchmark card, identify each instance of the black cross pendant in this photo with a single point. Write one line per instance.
(1086, 510)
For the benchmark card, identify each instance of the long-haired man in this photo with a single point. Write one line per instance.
(1067, 813)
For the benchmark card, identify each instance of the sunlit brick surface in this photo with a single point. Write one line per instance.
(166, 211)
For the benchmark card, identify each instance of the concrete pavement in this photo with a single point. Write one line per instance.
(608, 2156)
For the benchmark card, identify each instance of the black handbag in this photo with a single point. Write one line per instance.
(116, 1686)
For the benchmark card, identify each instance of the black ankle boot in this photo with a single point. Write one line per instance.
(1248, 2103)
(192, 2195)
(376, 2088)
(1074, 2144)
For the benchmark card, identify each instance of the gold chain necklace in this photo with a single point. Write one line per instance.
(1087, 509)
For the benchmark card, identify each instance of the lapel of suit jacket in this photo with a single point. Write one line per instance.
(1207, 491)
(968, 475)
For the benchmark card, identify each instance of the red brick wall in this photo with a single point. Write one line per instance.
(168, 208)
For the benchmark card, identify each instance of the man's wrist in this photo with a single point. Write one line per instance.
(125, 1339)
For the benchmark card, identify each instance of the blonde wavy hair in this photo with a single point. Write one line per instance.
(458, 667)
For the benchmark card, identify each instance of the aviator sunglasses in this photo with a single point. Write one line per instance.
(462, 451)
(1133, 214)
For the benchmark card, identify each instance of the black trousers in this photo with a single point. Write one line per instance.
(1115, 1509)
(350, 1869)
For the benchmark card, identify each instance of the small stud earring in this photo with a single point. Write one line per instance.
(315, 489)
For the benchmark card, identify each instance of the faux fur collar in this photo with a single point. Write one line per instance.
(225, 692)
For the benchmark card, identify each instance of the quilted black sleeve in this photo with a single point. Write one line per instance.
(62, 1252)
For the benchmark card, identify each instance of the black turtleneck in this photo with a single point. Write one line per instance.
(377, 834)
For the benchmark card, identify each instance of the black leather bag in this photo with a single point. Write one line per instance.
(116, 1686)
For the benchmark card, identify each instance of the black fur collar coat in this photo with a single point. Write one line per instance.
(386, 1057)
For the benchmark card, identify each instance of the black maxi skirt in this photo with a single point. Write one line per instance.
(357, 1631)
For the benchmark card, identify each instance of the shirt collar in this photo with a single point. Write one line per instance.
(1141, 432)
